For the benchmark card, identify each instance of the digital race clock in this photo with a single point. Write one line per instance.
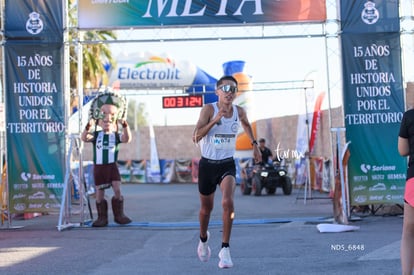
(182, 101)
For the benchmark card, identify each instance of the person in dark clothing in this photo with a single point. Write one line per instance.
(267, 155)
(406, 149)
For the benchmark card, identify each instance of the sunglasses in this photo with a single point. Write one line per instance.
(228, 88)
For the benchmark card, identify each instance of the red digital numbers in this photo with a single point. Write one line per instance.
(182, 101)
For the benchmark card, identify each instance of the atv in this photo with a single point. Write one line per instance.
(268, 177)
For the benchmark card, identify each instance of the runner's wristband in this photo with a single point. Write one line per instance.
(124, 125)
(254, 142)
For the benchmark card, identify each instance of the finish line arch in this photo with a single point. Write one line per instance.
(228, 36)
(264, 31)
(266, 28)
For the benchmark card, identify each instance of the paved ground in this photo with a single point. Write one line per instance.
(271, 235)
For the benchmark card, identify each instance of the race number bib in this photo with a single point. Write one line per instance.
(224, 141)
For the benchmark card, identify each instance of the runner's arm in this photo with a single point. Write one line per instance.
(204, 123)
(257, 155)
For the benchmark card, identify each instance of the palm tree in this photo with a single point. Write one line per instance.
(95, 57)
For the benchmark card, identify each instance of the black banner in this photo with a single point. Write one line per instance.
(373, 100)
(35, 104)
(370, 16)
(35, 20)
(35, 126)
(373, 106)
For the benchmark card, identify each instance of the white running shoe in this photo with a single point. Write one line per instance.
(203, 250)
(225, 258)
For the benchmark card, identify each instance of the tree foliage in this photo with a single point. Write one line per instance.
(96, 54)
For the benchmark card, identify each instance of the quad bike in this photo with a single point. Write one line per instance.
(268, 177)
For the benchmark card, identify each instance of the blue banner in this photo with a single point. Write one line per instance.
(370, 16)
(94, 14)
(373, 106)
(35, 126)
(34, 20)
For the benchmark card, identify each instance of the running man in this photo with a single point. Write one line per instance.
(216, 133)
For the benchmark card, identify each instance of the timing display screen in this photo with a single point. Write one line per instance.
(182, 101)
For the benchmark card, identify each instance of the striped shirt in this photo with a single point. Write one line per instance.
(105, 147)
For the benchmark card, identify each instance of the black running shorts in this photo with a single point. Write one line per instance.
(212, 172)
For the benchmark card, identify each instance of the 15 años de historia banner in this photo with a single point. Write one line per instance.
(35, 112)
(35, 127)
(373, 98)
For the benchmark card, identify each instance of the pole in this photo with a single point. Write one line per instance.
(307, 153)
(341, 172)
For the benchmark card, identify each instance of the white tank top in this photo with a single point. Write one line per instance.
(220, 142)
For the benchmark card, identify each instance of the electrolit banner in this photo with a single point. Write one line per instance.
(35, 126)
(370, 16)
(34, 20)
(373, 106)
(94, 14)
(149, 71)
(145, 70)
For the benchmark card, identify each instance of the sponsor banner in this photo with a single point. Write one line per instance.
(35, 127)
(93, 14)
(370, 16)
(34, 20)
(373, 107)
(183, 170)
(150, 71)
(167, 170)
(304, 132)
(316, 119)
(317, 166)
(153, 167)
(138, 171)
(87, 169)
(124, 168)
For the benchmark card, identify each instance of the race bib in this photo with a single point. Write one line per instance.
(224, 141)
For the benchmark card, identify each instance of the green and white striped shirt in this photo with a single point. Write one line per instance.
(105, 147)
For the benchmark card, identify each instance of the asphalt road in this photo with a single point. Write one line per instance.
(271, 235)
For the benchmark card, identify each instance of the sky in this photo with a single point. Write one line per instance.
(267, 60)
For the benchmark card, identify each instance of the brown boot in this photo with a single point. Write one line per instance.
(102, 220)
(118, 210)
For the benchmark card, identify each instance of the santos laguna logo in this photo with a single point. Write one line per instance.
(369, 14)
(34, 24)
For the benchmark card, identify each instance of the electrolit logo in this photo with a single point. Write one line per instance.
(156, 59)
(154, 71)
(156, 68)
